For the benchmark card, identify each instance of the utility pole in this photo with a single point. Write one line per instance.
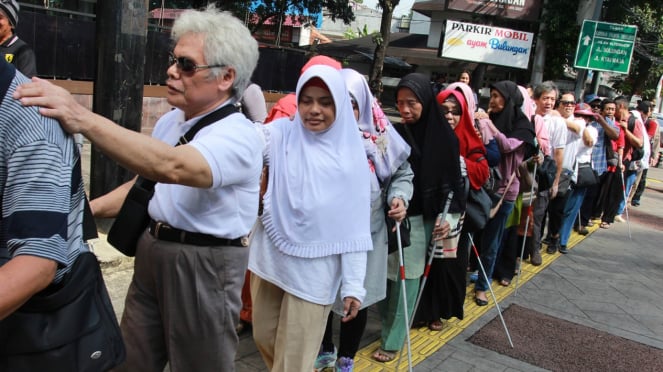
(539, 61)
(118, 86)
(586, 9)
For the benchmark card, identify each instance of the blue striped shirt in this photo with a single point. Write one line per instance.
(42, 211)
(599, 161)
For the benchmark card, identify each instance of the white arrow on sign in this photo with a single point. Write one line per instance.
(586, 40)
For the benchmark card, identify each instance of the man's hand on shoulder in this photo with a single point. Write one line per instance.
(54, 102)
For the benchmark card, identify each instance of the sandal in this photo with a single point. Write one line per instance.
(435, 325)
(605, 225)
(505, 282)
(383, 356)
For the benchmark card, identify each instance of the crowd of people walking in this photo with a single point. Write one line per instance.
(287, 219)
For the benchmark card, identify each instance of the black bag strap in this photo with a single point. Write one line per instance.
(208, 119)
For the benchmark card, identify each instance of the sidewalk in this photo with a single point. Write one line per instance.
(607, 282)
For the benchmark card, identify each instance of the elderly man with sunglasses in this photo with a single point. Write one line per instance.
(184, 299)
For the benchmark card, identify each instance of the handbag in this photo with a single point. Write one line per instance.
(69, 326)
(477, 210)
(586, 175)
(133, 216)
(545, 173)
(564, 184)
(392, 237)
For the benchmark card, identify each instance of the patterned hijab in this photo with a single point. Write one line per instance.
(435, 157)
(317, 201)
(385, 148)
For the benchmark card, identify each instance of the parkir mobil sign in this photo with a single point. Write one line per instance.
(487, 44)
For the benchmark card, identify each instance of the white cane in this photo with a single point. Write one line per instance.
(628, 222)
(402, 276)
(442, 217)
(522, 249)
(490, 287)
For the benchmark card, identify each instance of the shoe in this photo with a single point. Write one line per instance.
(583, 230)
(325, 359)
(479, 301)
(604, 225)
(536, 259)
(590, 223)
(635, 203)
(618, 218)
(344, 364)
(553, 246)
(563, 249)
(546, 240)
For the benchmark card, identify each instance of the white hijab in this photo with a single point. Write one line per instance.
(384, 147)
(317, 201)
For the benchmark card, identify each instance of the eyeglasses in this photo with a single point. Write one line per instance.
(567, 103)
(186, 65)
(446, 111)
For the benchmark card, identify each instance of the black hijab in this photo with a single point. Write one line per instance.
(511, 120)
(435, 155)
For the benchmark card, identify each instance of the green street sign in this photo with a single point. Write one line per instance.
(605, 46)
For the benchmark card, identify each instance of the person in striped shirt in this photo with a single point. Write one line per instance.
(41, 197)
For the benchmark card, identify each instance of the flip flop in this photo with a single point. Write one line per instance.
(604, 225)
(505, 282)
(383, 356)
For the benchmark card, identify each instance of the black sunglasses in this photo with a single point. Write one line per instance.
(446, 111)
(567, 103)
(186, 65)
(596, 106)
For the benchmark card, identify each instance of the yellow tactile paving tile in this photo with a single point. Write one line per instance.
(425, 342)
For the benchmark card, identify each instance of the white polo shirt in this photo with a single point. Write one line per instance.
(233, 148)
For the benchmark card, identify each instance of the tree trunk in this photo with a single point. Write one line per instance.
(381, 48)
(644, 65)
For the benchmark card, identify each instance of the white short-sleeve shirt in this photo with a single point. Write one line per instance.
(233, 149)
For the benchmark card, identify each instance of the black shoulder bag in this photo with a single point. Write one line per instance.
(69, 326)
(133, 217)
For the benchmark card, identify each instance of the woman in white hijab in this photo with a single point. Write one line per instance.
(314, 232)
(391, 185)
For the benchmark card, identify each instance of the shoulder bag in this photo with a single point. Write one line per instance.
(545, 173)
(70, 326)
(564, 184)
(477, 208)
(133, 217)
(586, 175)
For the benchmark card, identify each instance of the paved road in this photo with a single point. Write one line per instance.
(608, 282)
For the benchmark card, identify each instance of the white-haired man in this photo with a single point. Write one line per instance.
(184, 299)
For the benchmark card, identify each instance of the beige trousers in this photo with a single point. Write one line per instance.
(287, 330)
